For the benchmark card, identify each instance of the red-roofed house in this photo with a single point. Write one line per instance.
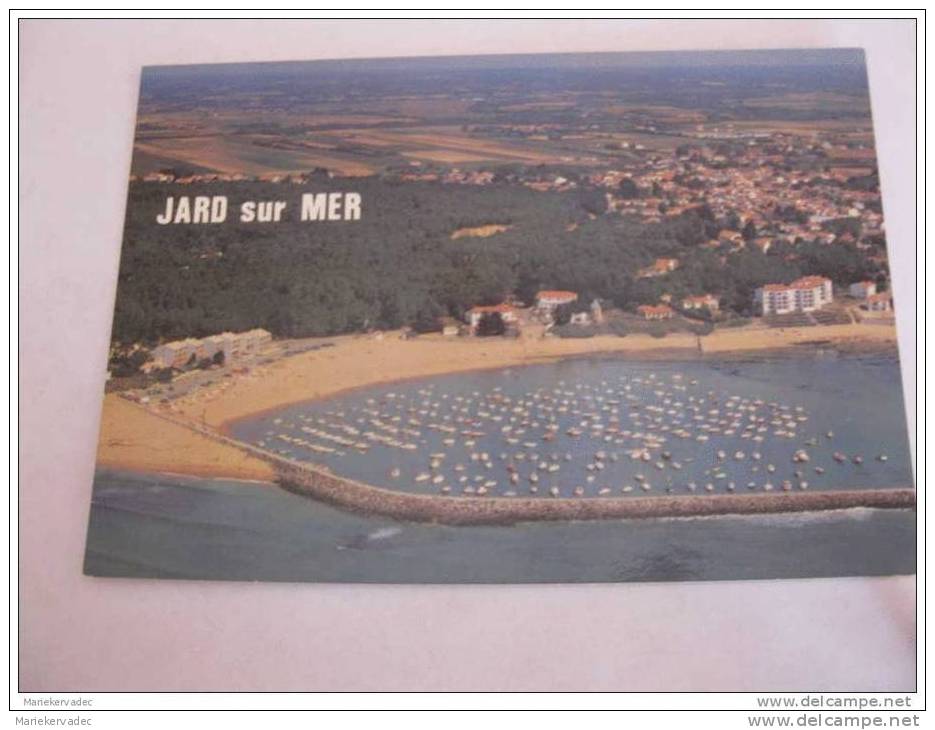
(881, 302)
(731, 237)
(660, 267)
(655, 311)
(705, 300)
(549, 299)
(506, 311)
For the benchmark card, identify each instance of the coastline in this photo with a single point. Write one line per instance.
(362, 361)
(356, 496)
(136, 437)
(274, 526)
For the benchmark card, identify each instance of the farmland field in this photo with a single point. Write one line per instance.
(240, 155)
(354, 119)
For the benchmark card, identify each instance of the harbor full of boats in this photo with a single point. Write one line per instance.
(596, 429)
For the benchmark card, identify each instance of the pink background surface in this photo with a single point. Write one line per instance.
(78, 90)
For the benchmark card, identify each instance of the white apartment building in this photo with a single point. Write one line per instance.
(802, 295)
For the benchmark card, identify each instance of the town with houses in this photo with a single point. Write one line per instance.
(770, 183)
(772, 187)
(778, 187)
(803, 296)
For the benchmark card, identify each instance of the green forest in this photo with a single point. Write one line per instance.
(398, 264)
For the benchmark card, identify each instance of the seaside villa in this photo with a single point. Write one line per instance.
(802, 295)
(881, 302)
(700, 302)
(655, 312)
(548, 300)
(507, 312)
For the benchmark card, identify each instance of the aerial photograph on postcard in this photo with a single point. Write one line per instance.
(505, 319)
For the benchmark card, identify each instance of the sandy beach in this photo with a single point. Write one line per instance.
(136, 439)
(133, 437)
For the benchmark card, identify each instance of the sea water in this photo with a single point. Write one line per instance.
(149, 525)
(838, 405)
(178, 527)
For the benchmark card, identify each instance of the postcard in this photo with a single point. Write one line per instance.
(505, 319)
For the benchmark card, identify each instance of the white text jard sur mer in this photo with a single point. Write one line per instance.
(201, 209)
